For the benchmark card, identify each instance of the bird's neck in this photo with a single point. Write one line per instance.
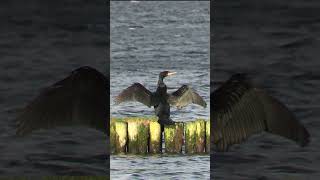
(162, 88)
(160, 82)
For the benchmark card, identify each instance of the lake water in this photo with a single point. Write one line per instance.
(147, 38)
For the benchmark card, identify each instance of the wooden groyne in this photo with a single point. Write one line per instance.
(143, 135)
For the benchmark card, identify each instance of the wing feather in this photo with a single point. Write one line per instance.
(241, 110)
(184, 96)
(135, 92)
(79, 99)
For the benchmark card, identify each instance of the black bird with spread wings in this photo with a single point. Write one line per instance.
(241, 109)
(79, 99)
(160, 99)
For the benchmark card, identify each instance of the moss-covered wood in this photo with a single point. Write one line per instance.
(138, 135)
(208, 136)
(121, 136)
(112, 137)
(143, 135)
(118, 136)
(155, 137)
(190, 137)
(195, 134)
(200, 136)
(173, 136)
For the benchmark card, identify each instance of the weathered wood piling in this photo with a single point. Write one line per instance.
(143, 135)
(138, 135)
(118, 136)
(155, 145)
(207, 136)
(173, 138)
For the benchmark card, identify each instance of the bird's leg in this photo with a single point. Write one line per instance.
(163, 122)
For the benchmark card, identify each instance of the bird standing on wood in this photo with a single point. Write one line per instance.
(239, 108)
(160, 99)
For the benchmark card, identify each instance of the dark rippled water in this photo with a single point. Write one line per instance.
(147, 38)
(277, 43)
(41, 42)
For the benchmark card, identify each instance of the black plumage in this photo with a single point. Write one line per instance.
(240, 110)
(79, 99)
(160, 99)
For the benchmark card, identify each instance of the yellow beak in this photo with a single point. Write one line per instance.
(171, 73)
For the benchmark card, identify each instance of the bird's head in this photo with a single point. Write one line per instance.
(166, 73)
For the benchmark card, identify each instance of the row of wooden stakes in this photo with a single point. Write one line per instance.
(143, 135)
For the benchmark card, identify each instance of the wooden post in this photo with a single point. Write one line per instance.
(155, 137)
(118, 136)
(200, 136)
(190, 138)
(195, 136)
(208, 136)
(143, 135)
(112, 137)
(138, 135)
(173, 138)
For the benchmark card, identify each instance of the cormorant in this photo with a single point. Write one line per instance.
(160, 99)
(79, 99)
(240, 109)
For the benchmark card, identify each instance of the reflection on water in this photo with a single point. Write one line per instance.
(147, 38)
(42, 41)
(277, 43)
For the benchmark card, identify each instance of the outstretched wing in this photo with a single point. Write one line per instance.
(79, 99)
(135, 92)
(184, 96)
(240, 110)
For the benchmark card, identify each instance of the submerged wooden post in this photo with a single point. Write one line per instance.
(138, 135)
(155, 137)
(208, 136)
(200, 136)
(173, 136)
(118, 136)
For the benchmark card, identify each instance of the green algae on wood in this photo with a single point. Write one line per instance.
(138, 135)
(143, 135)
(173, 136)
(121, 137)
(200, 136)
(195, 136)
(118, 136)
(190, 138)
(112, 136)
(155, 137)
(208, 136)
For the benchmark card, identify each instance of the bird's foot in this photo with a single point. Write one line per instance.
(168, 122)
